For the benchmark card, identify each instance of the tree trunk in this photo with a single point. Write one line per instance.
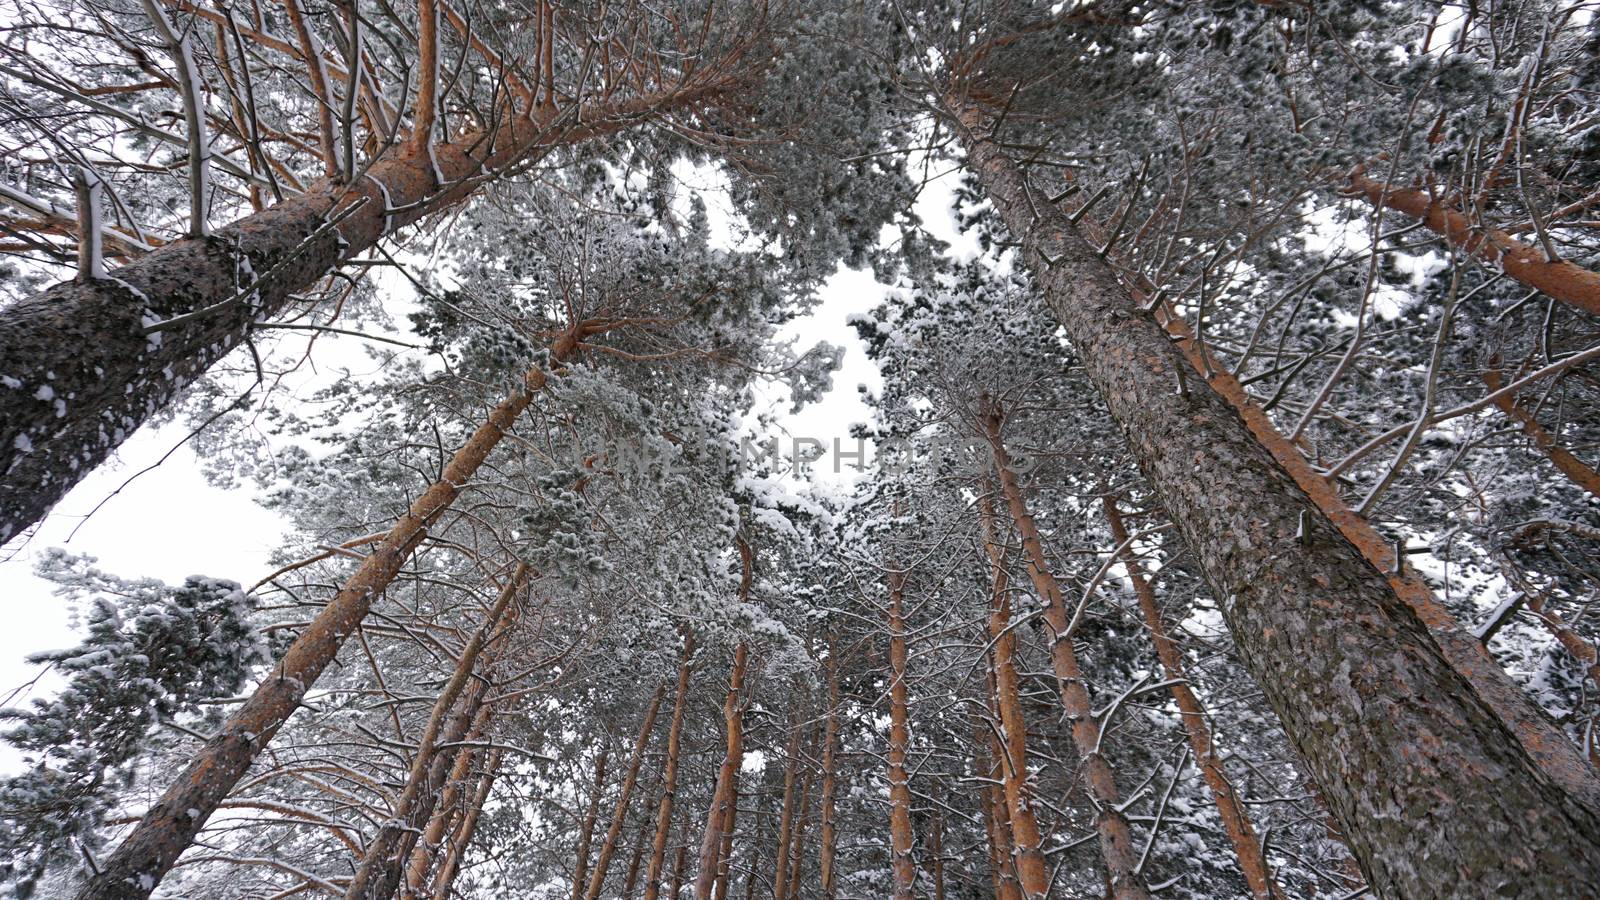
(791, 770)
(1570, 283)
(1541, 738)
(937, 851)
(1434, 794)
(462, 837)
(830, 763)
(996, 819)
(1235, 817)
(730, 824)
(580, 875)
(901, 837)
(1025, 839)
(378, 874)
(718, 820)
(169, 827)
(620, 814)
(669, 780)
(1115, 835)
(86, 342)
(450, 811)
(795, 850)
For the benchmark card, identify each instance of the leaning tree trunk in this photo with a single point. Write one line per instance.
(901, 837)
(580, 874)
(170, 826)
(669, 778)
(619, 816)
(85, 363)
(444, 881)
(1025, 837)
(378, 874)
(1230, 808)
(1115, 835)
(1433, 792)
(720, 818)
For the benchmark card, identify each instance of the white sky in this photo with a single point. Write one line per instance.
(170, 523)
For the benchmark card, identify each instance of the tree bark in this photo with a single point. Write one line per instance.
(580, 876)
(901, 837)
(378, 874)
(94, 346)
(462, 837)
(1025, 839)
(796, 849)
(669, 782)
(1235, 816)
(997, 819)
(791, 770)
(1570, 283)
(826, 875)
(724, 800)
(1541, 738)
(619, 816)
(169, 827)
(1114, 834)
(1433, 792)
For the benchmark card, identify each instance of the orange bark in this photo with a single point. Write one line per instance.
(1539, 737)
(1570, 283)
(996, 819)
(1115, 835)
(586, 832)
(619, 816)
(1025, 838)
(720, 818)
(1580, 473)
(1235, 817)
(669, 780)
(464, 832)
(901, 837)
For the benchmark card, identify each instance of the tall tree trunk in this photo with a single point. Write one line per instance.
(580, 875)
(730, 824)
(619, 816)
(795, 850)
(826, 876)
(1565, 281)
(679, 868)
(936, 849)
(669, 779)
(1025, 839)
(1235, 817)
(635, 860)
(996, 819)
(1433, 792)
(901, 837)
(431, 846)
(722, 798)
(1115, 836)
(791, 772)
(144, 856)
(87, 341)
(720, 818)
(378, 873)
(462, 836)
